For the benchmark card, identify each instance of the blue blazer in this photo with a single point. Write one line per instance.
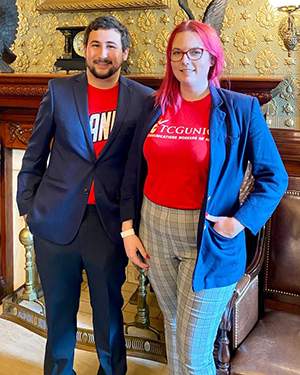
(238, 134)
(54, 193)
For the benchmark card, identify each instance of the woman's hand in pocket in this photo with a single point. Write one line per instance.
(226, 226)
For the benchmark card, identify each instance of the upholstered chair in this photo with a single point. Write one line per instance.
(267, 301)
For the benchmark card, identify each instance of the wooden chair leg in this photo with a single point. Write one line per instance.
(223, 354)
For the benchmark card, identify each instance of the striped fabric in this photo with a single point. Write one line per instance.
(191, 319)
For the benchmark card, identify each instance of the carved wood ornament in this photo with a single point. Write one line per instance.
(19, 133)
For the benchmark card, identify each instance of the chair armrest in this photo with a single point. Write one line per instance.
(245, 312)
(242, 311)
(242, 285)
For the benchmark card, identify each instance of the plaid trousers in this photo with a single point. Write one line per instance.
(191, 319)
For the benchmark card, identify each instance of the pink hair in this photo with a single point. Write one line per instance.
(168, 95)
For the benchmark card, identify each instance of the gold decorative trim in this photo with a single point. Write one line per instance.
(267, 246)
(295, 193)
(277, 291)
(86, 5)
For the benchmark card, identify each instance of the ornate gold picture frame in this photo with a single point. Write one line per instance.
(87, 5)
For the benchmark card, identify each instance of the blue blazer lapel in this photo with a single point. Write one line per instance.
(217, 117)
(218, 138)
(81, 101)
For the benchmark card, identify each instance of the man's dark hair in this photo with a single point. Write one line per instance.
(106, 23)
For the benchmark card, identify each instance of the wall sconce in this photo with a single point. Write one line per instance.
(287, 30)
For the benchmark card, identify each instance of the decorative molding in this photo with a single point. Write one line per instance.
(22, 91)
(35, 85)
(19, 133)
(88, 5)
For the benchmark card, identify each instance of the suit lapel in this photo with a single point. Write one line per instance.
(150, 121)
(124, 103)
(81, 100)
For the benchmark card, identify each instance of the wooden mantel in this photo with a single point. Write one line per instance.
(20, 95)
(18, 90)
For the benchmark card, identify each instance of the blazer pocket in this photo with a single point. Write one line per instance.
(220, 235)
(223, 243)
(52, 181)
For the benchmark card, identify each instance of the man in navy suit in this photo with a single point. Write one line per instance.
(69, 191)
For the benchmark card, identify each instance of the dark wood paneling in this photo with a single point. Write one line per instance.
(6, 223)
(288, 143)
(25, 90)
(2, 248)
(20, 95)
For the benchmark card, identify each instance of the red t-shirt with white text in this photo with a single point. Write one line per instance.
(177, 154)
(102, 105)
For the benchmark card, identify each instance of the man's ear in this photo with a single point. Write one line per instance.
(125, 54)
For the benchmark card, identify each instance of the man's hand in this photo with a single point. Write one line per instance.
(136, 251)
(226, 226)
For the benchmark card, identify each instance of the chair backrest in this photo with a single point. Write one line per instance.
(282, 252)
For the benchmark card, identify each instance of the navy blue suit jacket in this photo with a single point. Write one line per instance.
(238, 134)
(54, 192)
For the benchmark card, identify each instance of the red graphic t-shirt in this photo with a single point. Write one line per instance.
(177, 154)
(102, 105)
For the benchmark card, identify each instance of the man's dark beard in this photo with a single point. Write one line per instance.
(112, 70)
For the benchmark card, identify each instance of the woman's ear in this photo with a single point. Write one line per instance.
(212, 66)
(212, 60)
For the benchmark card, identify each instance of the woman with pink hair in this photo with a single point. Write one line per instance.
(180, 194)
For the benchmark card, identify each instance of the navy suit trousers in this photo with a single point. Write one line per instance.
(60, 268)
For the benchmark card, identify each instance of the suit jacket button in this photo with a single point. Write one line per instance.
(86, 190)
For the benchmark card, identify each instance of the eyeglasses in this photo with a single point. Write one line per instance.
(193, 54)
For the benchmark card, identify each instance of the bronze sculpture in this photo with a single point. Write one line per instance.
(8, 31)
